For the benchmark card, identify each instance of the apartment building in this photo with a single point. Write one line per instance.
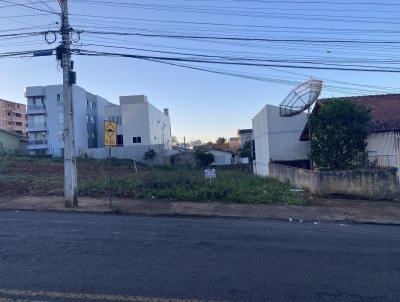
(139, 122)
(13, 117)
(45, 118)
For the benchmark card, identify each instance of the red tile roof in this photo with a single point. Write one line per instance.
(385, 111)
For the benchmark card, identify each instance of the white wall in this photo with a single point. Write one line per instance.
(384, 147)
(221, 157)
(277, 138)
(142, 119)
(260, 136)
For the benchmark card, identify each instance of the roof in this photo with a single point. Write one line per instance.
(245, 131)
(385, 111)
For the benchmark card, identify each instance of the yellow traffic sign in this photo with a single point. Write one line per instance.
(110, 133)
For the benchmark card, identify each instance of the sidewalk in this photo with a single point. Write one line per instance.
(319, 210)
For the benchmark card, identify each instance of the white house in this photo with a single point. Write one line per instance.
(383, 143)
(222, 158)
(45, 115)
(276, 138)
(140, 123)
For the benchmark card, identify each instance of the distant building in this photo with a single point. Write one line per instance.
(234, 143)
(46, 119)
(222, 158)
(12, 142)
(245, 135)
(13, 117)
(196, 143)
(139, 122)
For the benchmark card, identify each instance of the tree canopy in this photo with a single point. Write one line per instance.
(338, 134)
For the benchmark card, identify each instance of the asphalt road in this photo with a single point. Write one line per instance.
(85, 257)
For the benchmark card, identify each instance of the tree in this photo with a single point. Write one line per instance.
(246, 151)
(221, 140)
(150, 155)
(204, 159)
(174, 139)
(338, 133)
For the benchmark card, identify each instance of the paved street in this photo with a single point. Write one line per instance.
(88, 257)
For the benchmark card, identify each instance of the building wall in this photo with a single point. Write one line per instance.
(362, 183)
(13, 117)
(141, 119)
(244, 138)
(127, 152)
(9, 142)
(85, 106)
(277, 138)
(260, 136)
(221, 158)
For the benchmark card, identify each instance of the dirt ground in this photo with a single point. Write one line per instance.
(18, 176)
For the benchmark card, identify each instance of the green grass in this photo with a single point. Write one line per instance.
(190, 185)
(44, 176)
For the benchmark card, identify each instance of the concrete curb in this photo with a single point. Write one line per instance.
(330, 211)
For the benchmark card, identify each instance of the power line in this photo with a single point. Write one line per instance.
(237, 38)
(178, 59)
(27, 6)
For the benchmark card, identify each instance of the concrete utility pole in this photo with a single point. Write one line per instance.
(70, 175)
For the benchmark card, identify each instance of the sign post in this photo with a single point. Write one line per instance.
(210, 174)
(110, 140)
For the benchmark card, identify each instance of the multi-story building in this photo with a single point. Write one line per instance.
(139, 122)
(13, 117)
(46, 119)
(245, 135)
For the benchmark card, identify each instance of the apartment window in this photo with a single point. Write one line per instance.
(9, 123)
(9, 113)
(59, 100)
(18, 115)
(18, 123)
(18, 106)
(137, 139)
(92, 120)
(87, 118)
(87, 103)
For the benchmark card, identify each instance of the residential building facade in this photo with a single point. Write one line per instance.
(45, 117)
(13, 117)
(139, 122)
(383, 142)
(245, 135)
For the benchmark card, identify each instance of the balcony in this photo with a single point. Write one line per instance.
(36, 109)
(37, 127)
(37, 144)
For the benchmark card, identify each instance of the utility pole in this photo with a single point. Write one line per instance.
(70, 175)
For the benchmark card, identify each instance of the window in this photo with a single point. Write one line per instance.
(18, 115)
(92, 120)
(18, 106)
(9, 113)
(137, 139)
(9, 123)
(59, 100)
(18, 123)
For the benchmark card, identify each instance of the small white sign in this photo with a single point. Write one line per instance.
(210, 173)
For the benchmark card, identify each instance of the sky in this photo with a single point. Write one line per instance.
(206, 105)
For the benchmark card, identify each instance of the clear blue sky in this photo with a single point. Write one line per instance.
(205, 105)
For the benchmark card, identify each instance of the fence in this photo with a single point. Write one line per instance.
(381, 183)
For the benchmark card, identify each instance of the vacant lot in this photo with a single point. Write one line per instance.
(44, 176)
